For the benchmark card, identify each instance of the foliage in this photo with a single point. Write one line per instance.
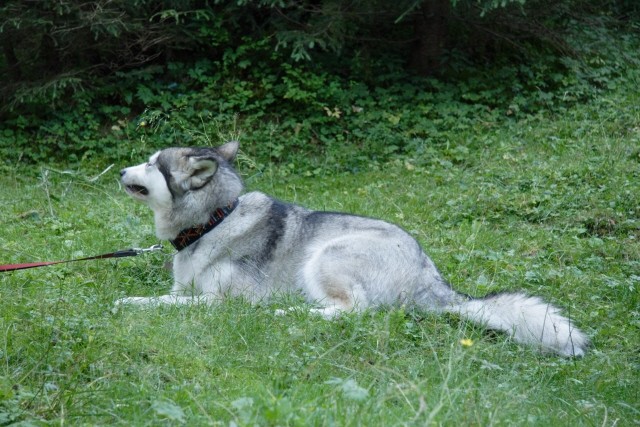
(304, 115)
(191, 71)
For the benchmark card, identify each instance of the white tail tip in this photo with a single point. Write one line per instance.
(529, 320)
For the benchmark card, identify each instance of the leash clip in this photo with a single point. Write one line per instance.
(153, 248)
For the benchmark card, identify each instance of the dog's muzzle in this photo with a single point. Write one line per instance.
(133, 189)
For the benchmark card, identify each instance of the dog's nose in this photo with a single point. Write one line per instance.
(122, 172)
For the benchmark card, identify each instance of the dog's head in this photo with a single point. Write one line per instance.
(184, 185)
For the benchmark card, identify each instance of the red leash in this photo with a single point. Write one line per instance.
(116, 254)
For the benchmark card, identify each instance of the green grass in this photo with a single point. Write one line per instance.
(550, 205)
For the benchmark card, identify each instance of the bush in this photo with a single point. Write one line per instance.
(196, 80)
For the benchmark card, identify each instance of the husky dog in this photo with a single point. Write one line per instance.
(253, 246)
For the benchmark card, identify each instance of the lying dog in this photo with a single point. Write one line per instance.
(253, 246)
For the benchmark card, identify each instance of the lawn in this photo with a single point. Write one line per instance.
(549, 205)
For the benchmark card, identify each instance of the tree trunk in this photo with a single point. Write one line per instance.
(430, 27)
(49, 54)
(10, 56)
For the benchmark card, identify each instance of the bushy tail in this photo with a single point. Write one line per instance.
(529, 320)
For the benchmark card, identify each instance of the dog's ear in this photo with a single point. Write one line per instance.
(201, 169)
(229, 150)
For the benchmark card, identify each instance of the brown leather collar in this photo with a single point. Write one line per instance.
(190, 235)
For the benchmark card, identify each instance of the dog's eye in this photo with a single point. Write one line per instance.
(148, 165)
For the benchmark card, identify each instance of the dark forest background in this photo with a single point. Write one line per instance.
(110, 78)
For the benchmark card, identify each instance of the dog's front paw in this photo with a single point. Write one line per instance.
(290, 310)
(131, 301)
(281, 312)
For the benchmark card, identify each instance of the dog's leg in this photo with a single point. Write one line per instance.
(336, 279)
(329, 312)
(164, 300)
